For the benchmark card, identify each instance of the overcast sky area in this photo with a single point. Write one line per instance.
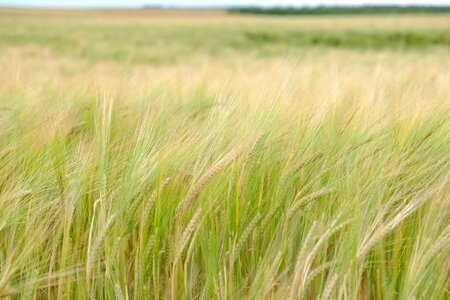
(210, 3)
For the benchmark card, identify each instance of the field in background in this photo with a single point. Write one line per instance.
(201, 154)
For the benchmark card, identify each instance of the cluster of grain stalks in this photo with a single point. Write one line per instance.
(112, 214)
(323, 175)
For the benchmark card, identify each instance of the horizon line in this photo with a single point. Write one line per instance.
(192, 7)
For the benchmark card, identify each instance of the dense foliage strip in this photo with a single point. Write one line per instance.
(341, 10)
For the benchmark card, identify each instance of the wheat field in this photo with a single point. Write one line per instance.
(204, 155)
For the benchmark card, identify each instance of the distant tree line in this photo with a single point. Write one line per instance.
(340, 10)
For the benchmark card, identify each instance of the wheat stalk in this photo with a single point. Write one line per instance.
(303, 163)
(398, 217)
(305, 200)
(269, 217)
(187, 233)
(118, 292)
(244, 237)
(151, 201)
(442, 242)
(299, 263)
(318, 270)
(202, 181)
(93, 252)
(329, 288)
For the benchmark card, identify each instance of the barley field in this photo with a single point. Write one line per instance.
(206, 155)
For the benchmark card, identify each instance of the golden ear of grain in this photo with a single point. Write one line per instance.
(151, 201)
(115, 248)
(328, 291)
(314, 273)
(305, 200)
(308, 261)
(303, 163)
(442, 242)
(244, 237)
(202, 181)
(388, 226)
(92, 254)
(269, 216)
(118, 292)
(187, 233)
(296, 281)
(18, 194)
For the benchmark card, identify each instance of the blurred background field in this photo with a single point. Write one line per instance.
(213, 52)
(177, 36)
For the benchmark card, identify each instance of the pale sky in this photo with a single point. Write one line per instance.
(210, 3)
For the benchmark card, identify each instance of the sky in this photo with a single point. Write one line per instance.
(208, 3)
